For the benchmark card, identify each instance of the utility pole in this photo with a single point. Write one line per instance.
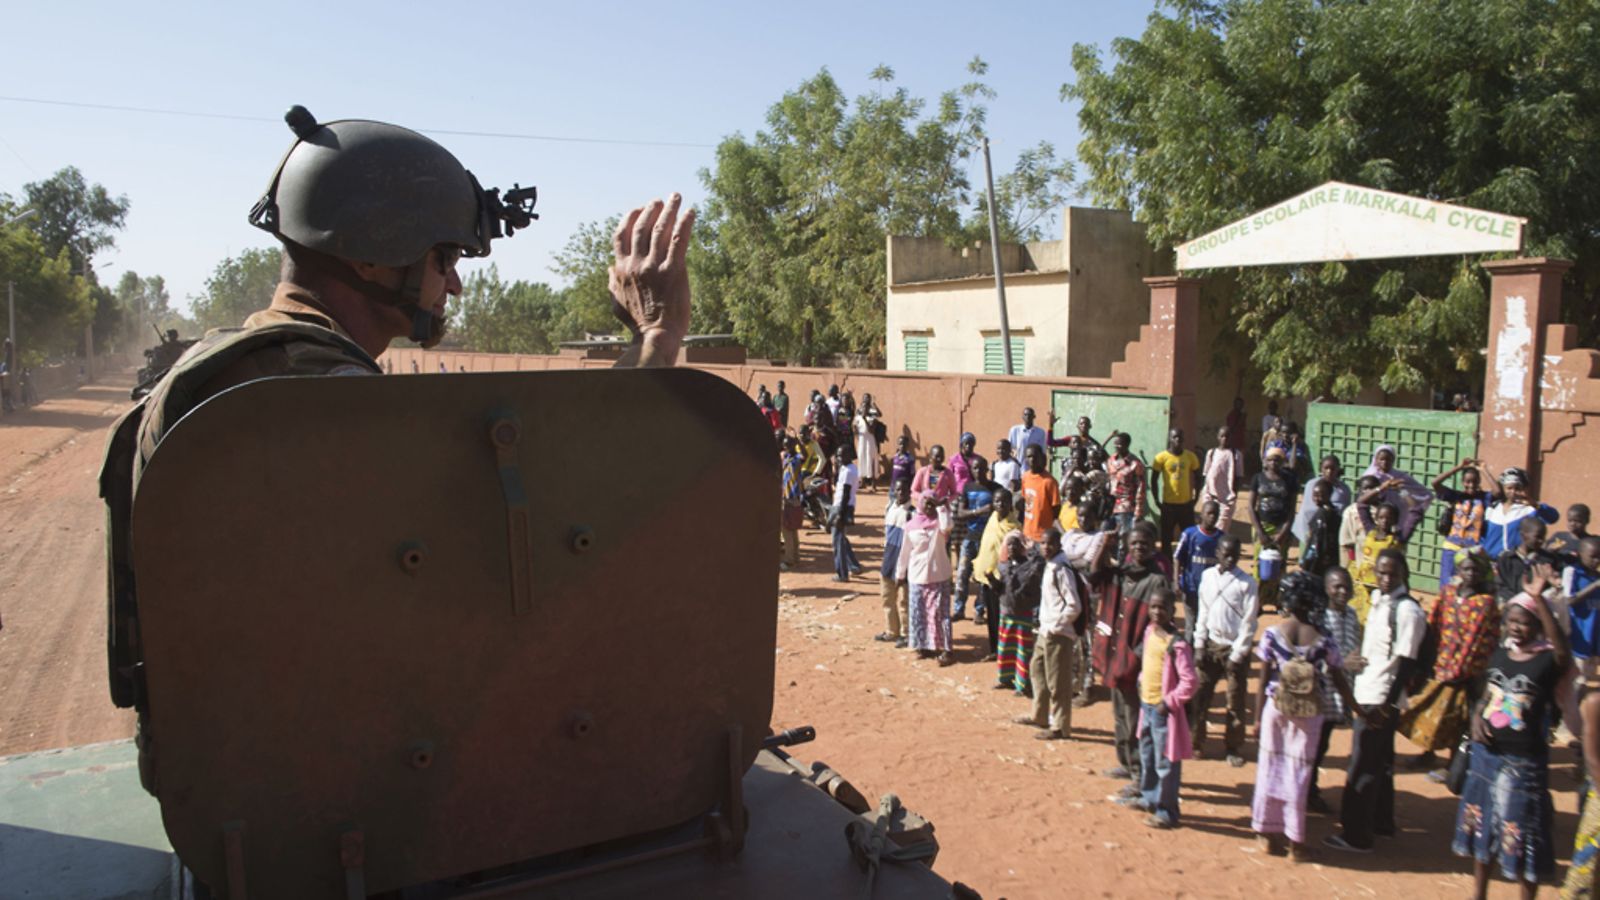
(999, 276)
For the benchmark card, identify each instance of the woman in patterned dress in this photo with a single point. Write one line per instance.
(1467, 620)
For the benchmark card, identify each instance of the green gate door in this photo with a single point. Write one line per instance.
(1426, 443)
(1144, 417)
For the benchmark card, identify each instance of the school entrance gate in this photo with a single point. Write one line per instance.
(1144, 417)
(1426, 443)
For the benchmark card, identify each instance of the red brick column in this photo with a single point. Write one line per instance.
(1172, 351)
(1524, 298)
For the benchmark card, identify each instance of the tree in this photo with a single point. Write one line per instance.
(585, 261)
(1035, 189)
(52, 303)
(794, 251)
(73, 213)
(491, 316)
(1222, 108)
(146, 302)
(239, 286)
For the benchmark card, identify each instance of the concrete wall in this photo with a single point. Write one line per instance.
(1076, 302)
(929, 408)
(1109, 258)
(912, 260)
(1542, 392)
(955, 316)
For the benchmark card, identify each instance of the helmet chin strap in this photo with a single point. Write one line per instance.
(427, 328)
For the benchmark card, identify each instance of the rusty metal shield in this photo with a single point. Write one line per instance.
(442, 624)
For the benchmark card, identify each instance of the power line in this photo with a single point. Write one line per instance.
(501, 135)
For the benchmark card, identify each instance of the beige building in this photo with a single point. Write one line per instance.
(1073, 304)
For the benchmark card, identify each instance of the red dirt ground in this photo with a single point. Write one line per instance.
(1015, 817)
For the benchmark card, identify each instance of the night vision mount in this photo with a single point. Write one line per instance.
(511, 212)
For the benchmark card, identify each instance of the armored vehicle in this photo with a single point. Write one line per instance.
(453, 637)
(158, 359)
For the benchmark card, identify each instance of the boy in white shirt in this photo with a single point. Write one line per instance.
(1224, 634)
(843, 513)
(1394, 631)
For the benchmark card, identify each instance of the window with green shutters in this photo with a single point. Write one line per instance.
(994, 356)
(916, 354)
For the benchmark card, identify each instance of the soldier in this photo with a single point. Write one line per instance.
(373, 219)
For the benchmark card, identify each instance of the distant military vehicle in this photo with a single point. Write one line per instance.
(409, 638)
(158, 359)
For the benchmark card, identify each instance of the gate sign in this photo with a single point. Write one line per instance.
(1340, 221)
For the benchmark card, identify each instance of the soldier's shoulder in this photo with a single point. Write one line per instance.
(227, 358)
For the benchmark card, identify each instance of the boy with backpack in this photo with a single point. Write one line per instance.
(1063, 616)
(1391, 645)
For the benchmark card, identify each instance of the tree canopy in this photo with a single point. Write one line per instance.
(238, 286)
(1221, 108)
(792, 257)
(73, 213)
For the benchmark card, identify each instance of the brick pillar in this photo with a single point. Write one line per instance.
(1524, 298)
(1173, 351)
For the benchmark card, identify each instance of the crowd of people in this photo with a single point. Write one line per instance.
(1121, 576)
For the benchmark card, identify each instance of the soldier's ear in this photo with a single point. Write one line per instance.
(387, 276)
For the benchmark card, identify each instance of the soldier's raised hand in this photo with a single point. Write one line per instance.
(650, 280)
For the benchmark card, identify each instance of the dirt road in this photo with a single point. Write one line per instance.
(1016, 817)
(52, 572)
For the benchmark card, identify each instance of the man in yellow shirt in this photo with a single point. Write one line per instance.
(1172, 482)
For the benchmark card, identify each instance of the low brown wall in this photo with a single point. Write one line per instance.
(928, 407)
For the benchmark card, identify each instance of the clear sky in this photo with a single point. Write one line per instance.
(691, 72)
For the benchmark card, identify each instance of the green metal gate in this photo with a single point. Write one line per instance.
(1143, 417)
(1426, 443)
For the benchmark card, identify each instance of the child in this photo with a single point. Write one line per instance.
(1041, 495)
(1380, 536)
(1166, 682)
(1564, 544)
(1580, 583)
(895, 590)
(1390, 641)
(1350, 530)
(1224, 635)
(1468, 507)
(793, 513)
(1514, 566)
(1219, 474)
(1057, 650)
(1321, 551)
(924, 564)
(1197, 552)
(903, 467)
(1021, 575)
(843, 514)
(1341, 624)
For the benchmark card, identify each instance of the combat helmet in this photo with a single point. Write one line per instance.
(378, 193)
